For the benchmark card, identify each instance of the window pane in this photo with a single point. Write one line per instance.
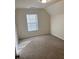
(32, 22)
(31, 18)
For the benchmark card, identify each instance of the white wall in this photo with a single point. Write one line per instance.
(21, 23)
(56, 12)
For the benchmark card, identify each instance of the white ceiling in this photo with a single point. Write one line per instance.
(33, 3)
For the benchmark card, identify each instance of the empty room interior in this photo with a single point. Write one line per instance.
(39, 29)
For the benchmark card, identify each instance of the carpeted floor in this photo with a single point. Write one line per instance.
(43, 47)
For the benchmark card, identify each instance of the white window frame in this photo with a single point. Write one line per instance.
(32, 30)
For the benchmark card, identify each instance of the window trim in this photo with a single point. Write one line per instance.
(37, 23)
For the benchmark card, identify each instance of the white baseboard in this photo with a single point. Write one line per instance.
(58, 36)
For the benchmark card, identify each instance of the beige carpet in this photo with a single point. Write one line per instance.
(43, 47)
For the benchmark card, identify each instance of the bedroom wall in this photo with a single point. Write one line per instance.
(21, 23)
(56, 12)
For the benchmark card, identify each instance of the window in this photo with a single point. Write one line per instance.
(32, 22)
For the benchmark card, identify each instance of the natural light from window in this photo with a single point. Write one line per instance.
(32, 22)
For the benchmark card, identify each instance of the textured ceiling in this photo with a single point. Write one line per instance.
(33, 3)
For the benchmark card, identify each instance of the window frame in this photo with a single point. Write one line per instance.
(36, 24)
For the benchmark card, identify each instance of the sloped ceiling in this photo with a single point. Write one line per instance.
(33, 3)
(53, 7)
(57, 8)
